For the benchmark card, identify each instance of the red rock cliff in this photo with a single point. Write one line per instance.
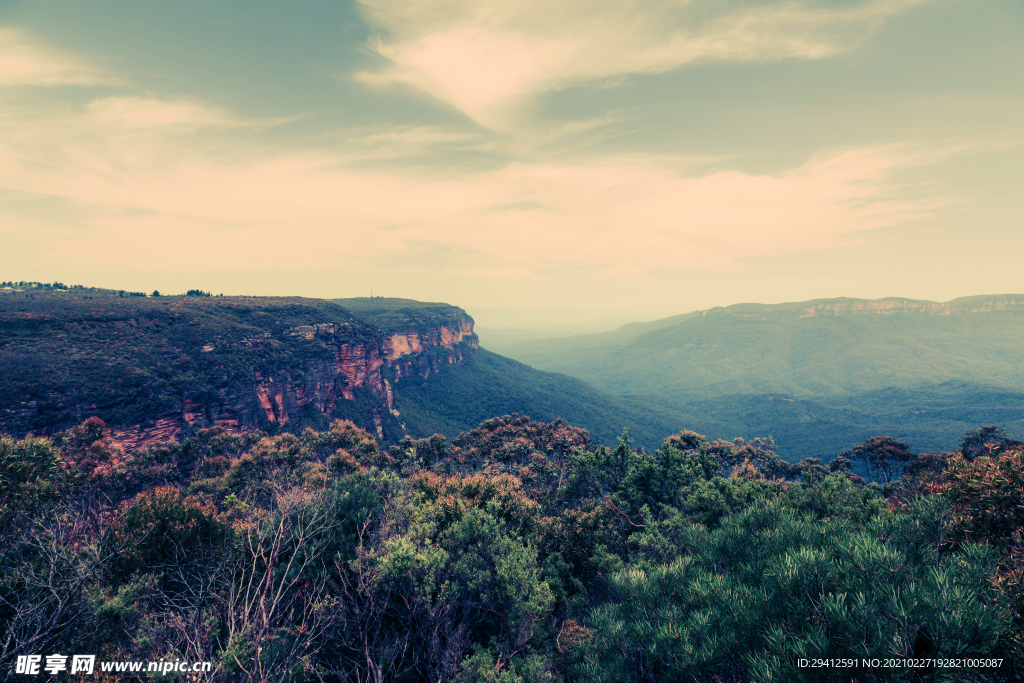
(422, 350)
(276, 397)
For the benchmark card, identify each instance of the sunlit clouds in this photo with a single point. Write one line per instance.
(516, 154)
(150, 184)
(485, 57)
(26, 61)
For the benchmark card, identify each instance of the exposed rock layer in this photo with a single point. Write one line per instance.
(345, 366)
(277, 397)
(835, 308)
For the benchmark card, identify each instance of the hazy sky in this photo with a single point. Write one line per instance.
(660, 156)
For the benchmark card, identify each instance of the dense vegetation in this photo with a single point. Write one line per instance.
(515, 552)
(392, 315)
(817, 383)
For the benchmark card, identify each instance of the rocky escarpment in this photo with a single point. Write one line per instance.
(844, 307)
(419, 337)
(155, 369)
(410, 349)
(422, 351)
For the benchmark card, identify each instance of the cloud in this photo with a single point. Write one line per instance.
(485, 57)
(144, 112)
(146, 187)
(25, 61)
(177, 184)
(390, 142)
(112, 137)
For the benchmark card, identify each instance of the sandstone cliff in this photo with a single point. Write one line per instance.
(157, 368)
(1006, 303)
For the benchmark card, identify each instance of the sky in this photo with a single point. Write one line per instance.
(548, 162)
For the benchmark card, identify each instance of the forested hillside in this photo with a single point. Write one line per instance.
(459, 397)
(818, 375)
(154, 367)
(517, 552)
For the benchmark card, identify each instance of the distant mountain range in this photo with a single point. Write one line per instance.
(819, 375)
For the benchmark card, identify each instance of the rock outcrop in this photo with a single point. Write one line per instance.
(422, 351)
(844, 307)
(335, 368)
(278, 397)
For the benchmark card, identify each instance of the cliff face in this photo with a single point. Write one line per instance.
(277, 397)
(422, 351)
(834, 308)
(339, 366)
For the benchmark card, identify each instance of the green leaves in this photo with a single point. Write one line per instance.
(31, 478)
(770, 586)
(298, 556)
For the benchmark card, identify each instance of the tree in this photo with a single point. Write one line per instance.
(276, 610)
(882, 454)
(45, 575)
(771, 585)
(32, 477)
(987, 498)
(984, 441)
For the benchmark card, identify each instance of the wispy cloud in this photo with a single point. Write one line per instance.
(147, 112)
(180, 184)
(389, 142)
(147, 187)
(484, 57)
(26, 61)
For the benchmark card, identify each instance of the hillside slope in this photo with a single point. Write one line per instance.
(157, 367)
(461, 396)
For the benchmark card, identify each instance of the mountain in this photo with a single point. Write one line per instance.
(160, 366)
(457, 396)
(810, 348)
(515, 340)
(157, 368)
(819, 375)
